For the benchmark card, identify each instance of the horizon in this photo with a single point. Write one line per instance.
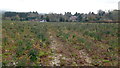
(53, 6)
(56, 13)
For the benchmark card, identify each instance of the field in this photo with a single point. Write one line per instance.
(59, 44)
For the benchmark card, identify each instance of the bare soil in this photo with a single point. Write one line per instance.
(64, 54)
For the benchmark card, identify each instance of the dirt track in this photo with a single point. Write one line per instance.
(65, 54)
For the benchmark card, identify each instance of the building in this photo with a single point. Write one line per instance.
(73, 18)
(43, 21)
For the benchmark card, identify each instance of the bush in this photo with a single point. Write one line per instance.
(33, 55)
(5, 40)
(81, 40)
(73, 36)
(20, 50)
(41, 36)
(20, 42)
(28, 44)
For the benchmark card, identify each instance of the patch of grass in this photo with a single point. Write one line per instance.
(82, 40)
(42, 53)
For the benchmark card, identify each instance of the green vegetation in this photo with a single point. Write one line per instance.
(29, 42)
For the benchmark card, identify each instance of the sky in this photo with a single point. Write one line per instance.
(58, 6)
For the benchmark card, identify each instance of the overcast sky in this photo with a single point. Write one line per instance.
(58, 6)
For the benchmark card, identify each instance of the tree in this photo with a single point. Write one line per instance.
(47, 19)
(101, 12)
(68, 14)
(62, 19)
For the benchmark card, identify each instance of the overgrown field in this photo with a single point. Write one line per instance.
(29, 44)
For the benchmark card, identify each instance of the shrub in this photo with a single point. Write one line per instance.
(41, 36)
(20, 50)
(73, 36)
(33, 55)
(5, 40)
(81, 40)
(20, 42)
(28, 44)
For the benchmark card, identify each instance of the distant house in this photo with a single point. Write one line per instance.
(73, 18)
(43, 21)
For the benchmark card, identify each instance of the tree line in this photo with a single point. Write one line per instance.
(101, 16)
